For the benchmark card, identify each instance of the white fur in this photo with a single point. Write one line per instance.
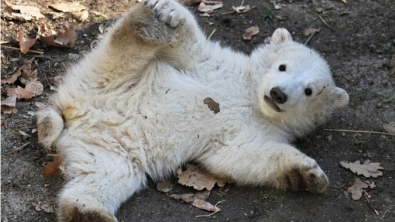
(134, 107)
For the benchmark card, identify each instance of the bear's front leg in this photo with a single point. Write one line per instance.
(151, 30)
(272, 164)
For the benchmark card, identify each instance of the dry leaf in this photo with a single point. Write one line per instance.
(186, 197)
(367, 169)
(197, 200)
(52, 168)
(68, 6)
(35, 86)
(390, 127)
(310, 31)
(165, 187)
(241, 9)
(63, 39)
(25, 12)
(209, 6)
(81, 15)
(27, 77)
(356, 189)
(251, 31)
(202, 204)
(46, 207)
(11, 77)
(199, 179)
(8, 105)
(372, 185)
(24, 43)
(20, 93)
(212, 105)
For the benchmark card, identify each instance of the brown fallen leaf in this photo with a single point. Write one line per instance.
(20, 93)
(390, 127)
(372, 185)
(67, 6)
(165, 186)
(199, 179)
(45, 206)
(198, 200)
(212, 105)
(204, 205)
(310, 31)
(25, 12)
(35, 86)
(356, 189)
(8, 105)
(11, 77)
(27, 77)
(52, 168)
(367, 169)
(251, 31)
(209, 6)
(25, 43)
(81, 15)
(241, 9)
(66, 38)
(186, 197)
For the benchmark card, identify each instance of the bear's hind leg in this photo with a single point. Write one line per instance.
(276, 164)
(100, 181)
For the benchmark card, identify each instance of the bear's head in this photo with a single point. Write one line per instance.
(297, 88)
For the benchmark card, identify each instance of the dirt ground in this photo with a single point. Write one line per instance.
(358, 40)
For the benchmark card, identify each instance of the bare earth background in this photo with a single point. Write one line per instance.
(358, 40)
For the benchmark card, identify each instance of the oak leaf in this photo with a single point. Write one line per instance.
(25, 12)
(8, 105)
(165, 186)
(249, 32)
(199, 179)
(209, 6)
(52, 168)
(390, 127)
(356, 189)
(20, 93)
(66, 38)
(367, 169)
(35, 86)
(198, 200)
(25, 43)
(11, 77)
(67, 6)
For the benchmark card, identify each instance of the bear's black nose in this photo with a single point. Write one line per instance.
(278, 96)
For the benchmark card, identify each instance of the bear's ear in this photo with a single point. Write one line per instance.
(341, 98)
(280, 35)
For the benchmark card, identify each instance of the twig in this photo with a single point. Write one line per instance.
(311, 36)
(16, 149)
(325, 22)
(212, 33)
(367, 200)
(30, 50)
(216, 210)
(390, 208)
(359, 131)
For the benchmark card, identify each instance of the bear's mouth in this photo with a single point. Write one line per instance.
(272, 104)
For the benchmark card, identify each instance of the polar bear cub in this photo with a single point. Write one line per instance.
(136, 106)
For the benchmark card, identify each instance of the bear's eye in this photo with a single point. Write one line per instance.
(308, 92)
(282, 68)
